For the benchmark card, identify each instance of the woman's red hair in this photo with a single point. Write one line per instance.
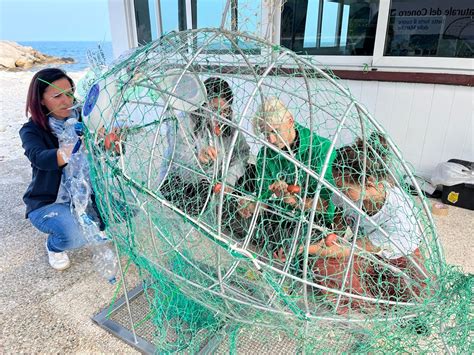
(41, 80)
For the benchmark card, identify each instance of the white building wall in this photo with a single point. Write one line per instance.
(122, 26)
(430, 123)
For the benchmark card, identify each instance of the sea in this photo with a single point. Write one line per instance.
(76, 50)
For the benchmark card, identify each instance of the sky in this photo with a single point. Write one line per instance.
(54, 20)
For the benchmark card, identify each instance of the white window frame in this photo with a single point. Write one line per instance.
(424, 63)
(159, 23)
(378, 60)
(122, 26)
(330, 61)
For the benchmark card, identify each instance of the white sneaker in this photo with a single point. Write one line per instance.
(58, 261)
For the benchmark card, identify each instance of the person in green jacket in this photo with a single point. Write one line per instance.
(284, 187)
(277, 172)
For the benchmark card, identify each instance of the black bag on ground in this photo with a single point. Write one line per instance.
(460, 195)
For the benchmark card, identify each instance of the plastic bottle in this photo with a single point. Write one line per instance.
(79, 188)
(105, 261)
(90, 229)
(103, 256)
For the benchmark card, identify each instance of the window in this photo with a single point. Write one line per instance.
(154, 18)
(342, 33)
(430, 28)
(169, 15)
(329, 27)
(147, 18)
(209, 13)
(242, 16)
(142, 20)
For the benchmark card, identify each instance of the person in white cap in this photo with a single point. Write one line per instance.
(283, 184)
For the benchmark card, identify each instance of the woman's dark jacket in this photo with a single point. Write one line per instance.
(41, 149)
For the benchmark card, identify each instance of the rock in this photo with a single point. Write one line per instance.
(25, 61)
(14, 56)
(7, 62)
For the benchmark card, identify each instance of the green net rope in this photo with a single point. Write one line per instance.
(260, 200)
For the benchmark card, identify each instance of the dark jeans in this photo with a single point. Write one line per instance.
(271, 231)
(189, 197)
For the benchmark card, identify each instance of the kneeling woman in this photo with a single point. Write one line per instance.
(50, 104)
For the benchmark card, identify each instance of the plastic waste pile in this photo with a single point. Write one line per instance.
(78, 187)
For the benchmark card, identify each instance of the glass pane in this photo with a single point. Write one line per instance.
(330, 27)
(243, 14)
(142, 20)
(431, 28)
(153, 22)
(249, 16)
(345, 23)
(169, 15)
(311, 27)
(209, 13)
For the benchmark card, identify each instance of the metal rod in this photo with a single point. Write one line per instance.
(122, 274)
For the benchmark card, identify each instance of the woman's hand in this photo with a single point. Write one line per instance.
(64, 154)
(321, 205)
(314, 249)
(207, 154)
(288, 192)
(290, 199)
(218, 188)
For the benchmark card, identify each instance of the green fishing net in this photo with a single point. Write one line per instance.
(188, 136)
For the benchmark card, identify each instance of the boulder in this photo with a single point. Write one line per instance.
(14, 57)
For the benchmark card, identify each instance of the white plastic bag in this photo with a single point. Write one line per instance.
(450, 174)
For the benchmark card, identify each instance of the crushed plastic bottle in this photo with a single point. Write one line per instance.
(90, 229)
(103, 257)
(78, 188)
(105, 261)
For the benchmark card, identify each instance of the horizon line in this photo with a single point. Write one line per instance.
(62, 40)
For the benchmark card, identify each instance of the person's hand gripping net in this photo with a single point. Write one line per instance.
(289, 193)
(207, 154)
